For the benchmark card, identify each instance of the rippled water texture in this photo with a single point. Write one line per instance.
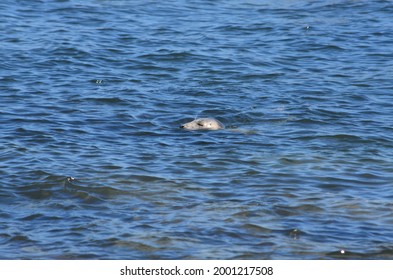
(93, 164)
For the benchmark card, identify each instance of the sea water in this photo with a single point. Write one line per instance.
(93, 164)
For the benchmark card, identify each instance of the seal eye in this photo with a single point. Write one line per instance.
(200, 124)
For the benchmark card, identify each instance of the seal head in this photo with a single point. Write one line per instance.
(203, 124)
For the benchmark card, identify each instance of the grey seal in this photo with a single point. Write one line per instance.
(203, 124)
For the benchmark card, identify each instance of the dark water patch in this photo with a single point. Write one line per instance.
(349, 139)
(76, 256)
(44, 189)
(256, 229)
(92, 191)
(20, 239)
(38, 216)
(108, 101)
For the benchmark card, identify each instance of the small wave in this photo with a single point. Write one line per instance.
(108, 100)
(91, 191)
(166, 55)
(350, 138)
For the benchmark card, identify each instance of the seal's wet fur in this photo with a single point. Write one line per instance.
(203, 124)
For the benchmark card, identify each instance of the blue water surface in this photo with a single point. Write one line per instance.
(94, 165)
